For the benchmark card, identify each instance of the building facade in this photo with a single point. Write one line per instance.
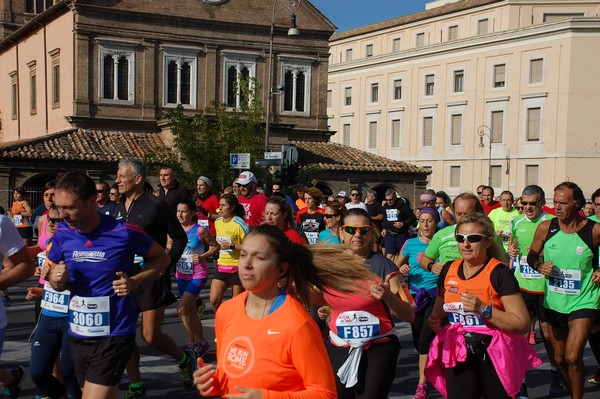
(504, 91)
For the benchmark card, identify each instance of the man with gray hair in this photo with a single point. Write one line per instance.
(397, 220)
(158, 221)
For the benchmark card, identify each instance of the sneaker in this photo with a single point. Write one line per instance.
(595, 378)
(201, 307)
(187, 370)
(532, 338)
(135, 393)
(6, 301)
(522, 394)
(421, 392)
(202, 348)
(556, 387)
(12, 390)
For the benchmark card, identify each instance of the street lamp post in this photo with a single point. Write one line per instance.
(482, 131)
(292, 6)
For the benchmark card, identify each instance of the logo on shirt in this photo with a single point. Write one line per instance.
(239, 357)
(88, 256)
(452, 282)
(579, 250)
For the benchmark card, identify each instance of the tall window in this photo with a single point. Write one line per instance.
(497, 126)
(37, 6)
(239, 71)
(455, 176)
(296, 80)
(349, 54)
(179, 82)
(32, 87)
(459, 81)
(500, 75)
(534, 116)
(429, 85)
(482, 26)
(329, 98)
(369, 50)
(453, 32)
(420, 42)
(532, 174)
(346, 134)
(14, 95)
(427, 131)
(372, 135)
(55, 77)
(395, 133)
(396, 44)
(374, 92)
(496, 179)
(536, 70)
(398, 89)
(348, 96)
(456, 122)
(117, 71)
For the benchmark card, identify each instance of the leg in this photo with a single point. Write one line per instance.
(337, 357)
(188, 313)
(492, 387)
(95, 391)
(557, 338)
(462, 381)
(45, 348)
(237, 289)
(153, 336)
(67, 368)
(217, 289)
(133, 366)
(579, 331)
(377, 370)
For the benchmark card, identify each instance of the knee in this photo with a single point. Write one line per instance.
(151, 335)
(573, 358)
(184, 312)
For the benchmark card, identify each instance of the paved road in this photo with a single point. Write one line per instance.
(163, 380)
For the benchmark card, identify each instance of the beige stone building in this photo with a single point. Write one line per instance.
(522, 74)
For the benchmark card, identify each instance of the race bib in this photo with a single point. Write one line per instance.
(312, 236)
(221, 239)
(41, 259)
(457, 314)
(527, 271)
(203, 223)
(185, 264)
(391, 215)
(18, 220)
(54, 300)
(90, 317)
(565, 281)
(357, 326)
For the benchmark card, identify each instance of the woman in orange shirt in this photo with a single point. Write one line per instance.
(267, 344)
(20, 213)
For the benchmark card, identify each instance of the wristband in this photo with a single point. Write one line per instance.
(232, 246)
(430, 266)
(536, 266)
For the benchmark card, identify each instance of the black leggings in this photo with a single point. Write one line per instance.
(474, 378)
(422, 335)
(376, 371)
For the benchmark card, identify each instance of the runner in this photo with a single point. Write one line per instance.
(311, 218)
(278, 212)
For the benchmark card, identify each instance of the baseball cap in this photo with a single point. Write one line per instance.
(246, 178)
(342, 194)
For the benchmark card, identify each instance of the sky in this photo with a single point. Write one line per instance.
(349, 14)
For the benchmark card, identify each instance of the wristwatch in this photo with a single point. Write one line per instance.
(487, 312)
(232, 246)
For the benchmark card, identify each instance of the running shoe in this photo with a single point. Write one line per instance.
(12, 390)
(202, 348)
(595, 378)
(6, 301)
(532, 338)
(522, 394)
(556, 387)
(187, 370)
(421, 392)
(135, 393)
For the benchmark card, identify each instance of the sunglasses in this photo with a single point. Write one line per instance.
(472, 238)
(354, 195)
(525, 203)
(55, 220)
(479, 192)
(99, 191)
(330, 215)
(519, 208)
(363, 230)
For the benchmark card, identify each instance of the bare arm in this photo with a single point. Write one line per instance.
(536, 248)
(155, 264)
(388, 292)
(514, 318)
(23, 268)
(436, 267)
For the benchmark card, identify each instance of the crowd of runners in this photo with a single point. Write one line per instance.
(318, 284)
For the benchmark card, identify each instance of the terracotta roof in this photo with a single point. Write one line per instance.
(407, 19)
(85, 145)
(338, 157)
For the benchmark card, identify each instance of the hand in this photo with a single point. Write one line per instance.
(124, 285)
(323, 312)
(434, 322)
(38, 272)
(381, 291)
(513, 247)
(247, 393)
(546, 268)
(224, 245)
(437, 268)
(596, 276)
(197, 258)
(34, 292)
(404, 269)
(471, 303)
(59, 276)
(203, 378)
(398, 225)
(383, 232)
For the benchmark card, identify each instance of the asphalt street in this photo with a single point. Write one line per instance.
(161, 375)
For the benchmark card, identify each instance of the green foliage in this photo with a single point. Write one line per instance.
(205, 142)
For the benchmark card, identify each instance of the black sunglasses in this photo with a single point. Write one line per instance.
(479, 192)
(330, 215)
(363, 230)
(472, 238)
(55, 220)
(532, 203)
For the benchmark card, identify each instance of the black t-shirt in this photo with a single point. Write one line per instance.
(374, 209)
(502, 278)
(398, 212)
(157, 220)
(174, 196)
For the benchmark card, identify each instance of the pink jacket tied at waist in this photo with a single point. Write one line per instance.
(510, 353)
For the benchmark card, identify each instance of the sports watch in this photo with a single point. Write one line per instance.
(487, 312)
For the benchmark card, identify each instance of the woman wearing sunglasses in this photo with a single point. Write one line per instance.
(423, 287)
(334, 217)
(485, 339)
(363, 345)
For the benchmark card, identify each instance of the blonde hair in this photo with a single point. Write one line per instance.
(495, 250)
